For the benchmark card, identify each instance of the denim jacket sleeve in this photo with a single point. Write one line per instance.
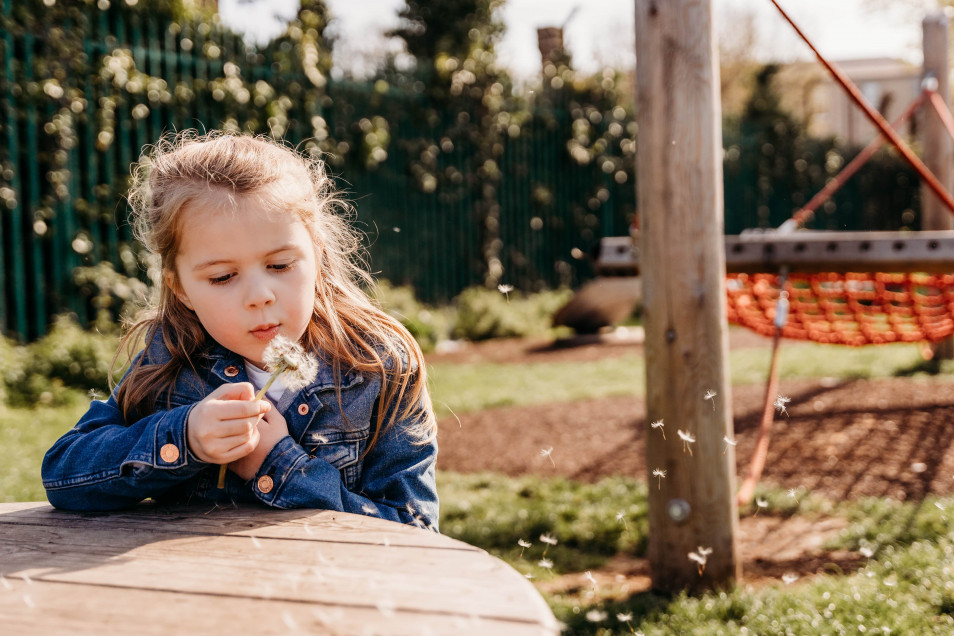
(395, 480)
(104, 464)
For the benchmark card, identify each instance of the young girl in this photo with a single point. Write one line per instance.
(252, 246)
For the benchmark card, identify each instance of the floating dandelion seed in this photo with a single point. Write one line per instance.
(505, 290)
(397, 230)
(596, 616)
(283, 356)
(659, 424)
(939, 505)
(548, 540)
(659, 474)
(710, 395)
(548, 453)
(524, 544)
(621, 517)
(368, 509)
(255, 541)
(545, 563)
(700, 556)
(789, 577)
(793, 493)
(759, 504)
(528, 576)
(590, 578)
(728, 442)
(780, 403)
(410, 508)
(687, 439)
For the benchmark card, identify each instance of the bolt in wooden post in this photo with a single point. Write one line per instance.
(679, 183)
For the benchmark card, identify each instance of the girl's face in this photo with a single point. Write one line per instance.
(248, 274)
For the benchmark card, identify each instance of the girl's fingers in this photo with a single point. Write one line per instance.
(240, 409)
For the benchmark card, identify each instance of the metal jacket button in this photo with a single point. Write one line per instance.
(169, 453)
(231, 371)
(265, 484)
(303, 409)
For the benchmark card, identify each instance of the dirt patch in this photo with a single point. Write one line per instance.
(890, 437)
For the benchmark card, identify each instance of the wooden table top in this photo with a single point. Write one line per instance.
(250, 570)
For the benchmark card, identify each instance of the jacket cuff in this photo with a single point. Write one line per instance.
(279, 463)
(171, 447)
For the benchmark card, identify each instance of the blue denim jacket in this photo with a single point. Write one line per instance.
(105, 463)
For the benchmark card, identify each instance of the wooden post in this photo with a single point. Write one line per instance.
(679, 182)
(935, 139)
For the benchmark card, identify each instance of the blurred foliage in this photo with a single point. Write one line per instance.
(483, 313)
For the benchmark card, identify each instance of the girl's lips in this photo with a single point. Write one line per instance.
(265, 333)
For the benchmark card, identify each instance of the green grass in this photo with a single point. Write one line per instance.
(461, 388)
(25, 435)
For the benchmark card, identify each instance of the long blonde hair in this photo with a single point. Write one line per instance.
(346, 326)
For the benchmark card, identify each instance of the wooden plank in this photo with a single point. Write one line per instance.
(43, 607)
(679, 177)
(808, 251)
(336, 561)
(300, 524)
(841, 252)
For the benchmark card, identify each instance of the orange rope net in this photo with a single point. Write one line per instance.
(851, 309)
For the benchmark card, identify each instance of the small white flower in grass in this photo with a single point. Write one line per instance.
(728, 442)
(780, 403)
(545, 563)
(659, 424)
(789, 577)
(548, 453)
(710, 395)
(687, 439)
(659, 474)
(505, 290)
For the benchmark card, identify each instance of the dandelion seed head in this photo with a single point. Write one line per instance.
(523, 543)
(761, 503)
(686, 436)
(505, 289)
(255, 541)
(287, 357)
(546, 452)
(620, 516)
(657, 424)
(659, 472)
(710, 394)
(624, 618)
(789, 577)
(589, 577)
(780, 403)
(730, 442)
(545, 563)
(368, 509)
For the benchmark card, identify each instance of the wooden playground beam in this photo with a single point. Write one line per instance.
(692, 511)
(809, 252)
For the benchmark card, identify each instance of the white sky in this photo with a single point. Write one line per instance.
(601, 31)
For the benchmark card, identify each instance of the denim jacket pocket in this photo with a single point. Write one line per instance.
(340, 449)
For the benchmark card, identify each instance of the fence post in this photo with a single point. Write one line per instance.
(679, 176)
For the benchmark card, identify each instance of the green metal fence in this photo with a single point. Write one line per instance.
(72, 121)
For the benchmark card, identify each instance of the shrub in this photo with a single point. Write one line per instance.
(428, 325)
(483, 313)
(68, 357)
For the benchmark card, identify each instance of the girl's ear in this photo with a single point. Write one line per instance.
(172, 282)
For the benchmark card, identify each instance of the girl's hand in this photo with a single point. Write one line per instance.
(271, 429)
(223, 427)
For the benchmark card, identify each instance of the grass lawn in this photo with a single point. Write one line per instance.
(905, 587)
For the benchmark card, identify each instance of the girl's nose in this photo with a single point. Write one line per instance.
(258, 292)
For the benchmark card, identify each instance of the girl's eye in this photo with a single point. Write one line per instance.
(282, 267)
(221, 280)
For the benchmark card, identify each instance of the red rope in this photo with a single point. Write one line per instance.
(875, 117)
